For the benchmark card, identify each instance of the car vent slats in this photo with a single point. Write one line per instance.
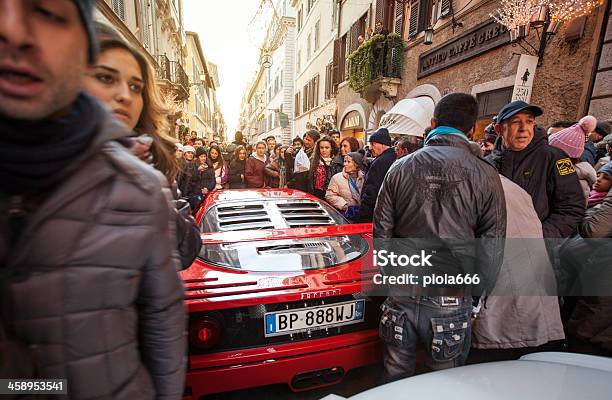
(271, 214)
(243, 217)
(300, 248)
(298, 215)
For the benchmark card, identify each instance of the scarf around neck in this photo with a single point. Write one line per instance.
(595, 198)
(444, 130)
(36, 154)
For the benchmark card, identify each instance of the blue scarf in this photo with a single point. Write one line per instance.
(444, 130)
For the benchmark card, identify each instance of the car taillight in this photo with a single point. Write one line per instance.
(205, 332)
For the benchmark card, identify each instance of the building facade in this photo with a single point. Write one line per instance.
(155, 27)
(267, 105)
(204, 115)
(469, 52)
(314, 95)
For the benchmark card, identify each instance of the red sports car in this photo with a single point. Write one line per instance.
(276, 295)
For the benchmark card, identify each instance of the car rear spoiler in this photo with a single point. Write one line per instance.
(286, 233)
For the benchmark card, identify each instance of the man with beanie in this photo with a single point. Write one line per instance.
(545, 172)
(446, 201)
(383, 150)
(88, 278)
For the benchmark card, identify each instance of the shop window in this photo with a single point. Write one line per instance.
(489, 104)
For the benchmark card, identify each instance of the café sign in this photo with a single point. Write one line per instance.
(478, 40)
(351, 121)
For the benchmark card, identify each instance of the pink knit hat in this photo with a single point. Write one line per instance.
(571, 140)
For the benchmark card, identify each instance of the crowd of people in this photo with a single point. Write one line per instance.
(341, 171)
(96, 201)
(519, 182)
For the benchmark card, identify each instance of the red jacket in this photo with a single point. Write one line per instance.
(254, 175)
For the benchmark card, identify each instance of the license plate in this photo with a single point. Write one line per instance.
(314, 318)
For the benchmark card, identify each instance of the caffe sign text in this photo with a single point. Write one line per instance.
(476, 41)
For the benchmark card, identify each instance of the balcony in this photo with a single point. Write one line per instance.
(172, 74)
(376, 67)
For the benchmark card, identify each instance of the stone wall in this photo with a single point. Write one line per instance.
(561, 82)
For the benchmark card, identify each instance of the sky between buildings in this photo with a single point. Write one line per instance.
(222, 28)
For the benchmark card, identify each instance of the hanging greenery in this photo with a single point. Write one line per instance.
(377, 57)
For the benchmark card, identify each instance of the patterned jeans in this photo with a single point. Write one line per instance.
(441, 324)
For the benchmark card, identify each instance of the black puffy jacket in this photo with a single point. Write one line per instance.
(443, 197)
(548, 175)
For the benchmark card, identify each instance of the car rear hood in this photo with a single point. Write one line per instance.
(206, 284)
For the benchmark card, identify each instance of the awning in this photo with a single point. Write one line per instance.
(409, 116)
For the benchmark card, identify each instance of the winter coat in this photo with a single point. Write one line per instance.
(221, 175)
(235, 179)
(589, 154)
(331, 169)
(587, 177)
(522, 310)
(299, 180)
(92, 281)
(339, 192)
(373, 180)
(272, 172)
(337, 164)
(445, 191)
(206, 180)
(549, 176)
(597, 222)
(254, 175)
(188, 179)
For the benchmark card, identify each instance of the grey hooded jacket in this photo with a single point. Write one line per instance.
(91, 285)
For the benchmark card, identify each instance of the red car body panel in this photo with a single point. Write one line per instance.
(212, 288)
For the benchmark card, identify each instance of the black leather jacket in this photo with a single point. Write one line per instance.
(444, 196)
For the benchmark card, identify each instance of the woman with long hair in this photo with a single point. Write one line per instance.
(236, 169)
(322, 167)
(254, 174)
(123, 80)
(219, 166)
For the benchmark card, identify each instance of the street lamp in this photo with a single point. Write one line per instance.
(428, 35)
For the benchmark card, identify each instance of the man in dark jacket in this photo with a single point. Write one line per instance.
(545, 172)
(383, 150)
(300, 179)
(446, 201)
(88, 271)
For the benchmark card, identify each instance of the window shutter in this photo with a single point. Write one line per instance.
(353, 37)
(398, 22)
(316, 91)
(328, 81)
(380, 11)
(445, 8)
(413, 27)
(296, 110)
(305, 99)
(336, 62)
(119, 8)
(145, 25)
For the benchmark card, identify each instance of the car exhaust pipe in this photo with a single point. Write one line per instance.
(320, 377)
